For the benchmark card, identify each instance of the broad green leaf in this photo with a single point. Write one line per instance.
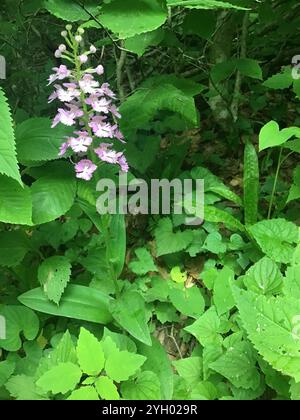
(107, 389)
(167, 241)
(188, 301)
(54, 274)
(207, 328)
(62, 353)
(6, 370)
(276, 238)
(271, 135)
(177, 275)
(154, 95)
(215, 215)
(205, 391)
(121, 365)
(84, 393)
(13, 247)
(144, 263)
(203, 4)
(200, 22)
(272, 325)
(23, 387)
(280, 81)
(116, 248)
(214, 243)
(78, 302)
(189, 369)
(214, 184)
(52, 196)
(294, 193)
(249, 68)
(264, 277)
(90, 353)
(71, 11)
(145, 386)
(129, 311)
(158, 362)
(37, 141)
(18, 320)
(139, 43)
(15, 202)
(122, 341)
(8, 160)
(133, 17)
(251, 184)
(291, 282)
(222, 296)
(237, 364)
(60, 379)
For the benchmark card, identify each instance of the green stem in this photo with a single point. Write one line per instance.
(275, 183)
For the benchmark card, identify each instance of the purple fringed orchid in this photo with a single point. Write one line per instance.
(87, 105)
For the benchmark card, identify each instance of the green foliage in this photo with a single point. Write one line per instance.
(151, 306)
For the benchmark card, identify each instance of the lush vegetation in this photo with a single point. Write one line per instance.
(146, 306)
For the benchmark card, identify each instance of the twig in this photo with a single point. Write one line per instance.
(238, 81)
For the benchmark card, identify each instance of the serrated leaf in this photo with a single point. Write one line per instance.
(13, 247)
(90, 353)
(6, 370)
(132, 18)
(188, 301)
(23, 387)
(120, 365)
(207, 328)
(272, 325)
(107, 389)
(15, 202)
(60, 379)
(189, 369)
(8, 160)
(237, 364)
(84, 393)
(167, 241)
(276, 238)
(291, 282)
(264, 277)
(69, 10)
(145, 386)
(223, 298)
(37, 141)
(144, 264)
(204, 4)
(54, 274)
(52, 196)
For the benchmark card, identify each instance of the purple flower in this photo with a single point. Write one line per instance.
(63, 148)
(105, 90)
(105, 153)
(98, 105)
(100, 70)
(115, 111)
(81, 143)
(61, 73)
(64, 117)
(85, 169)
(88, 84)
(123, 163)
(102, 130)
(69, 94)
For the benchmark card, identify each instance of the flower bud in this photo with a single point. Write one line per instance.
(69, 27)
(100, 70)
(62, 48)
(81, 31)
(57, 54)
(93, 49)
(78, 38)
(64, 34)
(83, 58)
